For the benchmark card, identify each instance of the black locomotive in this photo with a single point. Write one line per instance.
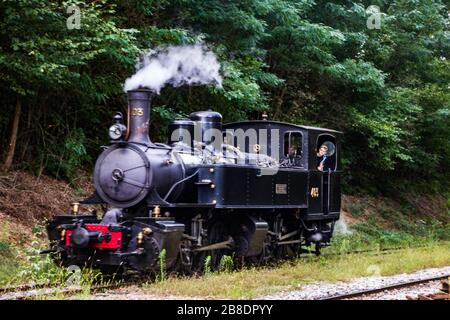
(253, 190)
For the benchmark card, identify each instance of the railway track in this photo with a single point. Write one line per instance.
(24, 292)
(36, 290)
(380, 251)
(22, 287)
(399, 285)
(30, 292)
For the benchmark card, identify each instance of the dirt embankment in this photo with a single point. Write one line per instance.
(388, 212)
(27, 200)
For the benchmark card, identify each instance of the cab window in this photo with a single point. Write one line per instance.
(293, 144)
(326, 153)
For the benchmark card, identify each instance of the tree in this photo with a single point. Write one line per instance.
(41, 59)
(311, 62)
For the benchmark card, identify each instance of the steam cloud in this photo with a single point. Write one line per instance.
(175, 65)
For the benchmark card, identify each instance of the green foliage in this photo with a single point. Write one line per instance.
(385, 238)
(226, 264)
(162, 265)
(207, 266)
(356, 209)
(309, 62)
(4, 248)
(62, 161)
(39, 229)
(40, 268)
(403, 231)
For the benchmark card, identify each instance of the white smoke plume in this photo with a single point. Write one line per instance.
(175, 65)
(341, 227)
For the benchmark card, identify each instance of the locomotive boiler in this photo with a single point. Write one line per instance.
(254, 190)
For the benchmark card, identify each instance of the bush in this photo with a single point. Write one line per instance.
(63, 161)
(356, 209)
(4, 248)
(226, 264)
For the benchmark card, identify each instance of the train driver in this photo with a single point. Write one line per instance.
(322, 156)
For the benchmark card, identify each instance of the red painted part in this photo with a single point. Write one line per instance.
(114, 243)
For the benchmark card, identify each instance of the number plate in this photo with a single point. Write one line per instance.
(281, 188)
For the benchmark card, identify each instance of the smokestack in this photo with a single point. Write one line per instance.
(139, 115)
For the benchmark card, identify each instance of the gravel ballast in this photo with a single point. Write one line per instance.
(323, 290)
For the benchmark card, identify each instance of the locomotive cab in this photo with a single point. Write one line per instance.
(316, 191)
(306, 183)
(324, 175)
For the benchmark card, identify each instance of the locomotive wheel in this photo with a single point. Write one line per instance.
(185, 260)
(287, 251)
(217, 232)
(267, 254)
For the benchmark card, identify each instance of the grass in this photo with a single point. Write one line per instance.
(24, 264)
(252, 282)
(8, 263)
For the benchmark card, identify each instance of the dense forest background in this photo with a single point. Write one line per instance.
(323, 63)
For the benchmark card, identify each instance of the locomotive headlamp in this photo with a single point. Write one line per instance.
(116, 131)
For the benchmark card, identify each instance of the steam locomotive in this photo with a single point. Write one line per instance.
(256, 191)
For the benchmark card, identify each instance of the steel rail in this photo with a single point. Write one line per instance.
(375, 250)
(24, 287)
(34, 293)
(399, 285)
